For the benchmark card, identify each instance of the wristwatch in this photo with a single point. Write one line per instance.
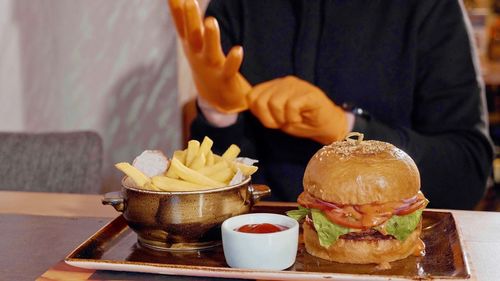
(357, 111)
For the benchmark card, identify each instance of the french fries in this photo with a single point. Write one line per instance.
(200, 159)
(224, 175)
(210, 170)
(137, 176)
(198, 162)
(245, 169)
(206, 146)
(192, 151)
(193, 176)
(194, 168)
(231, 153)
(169, 184)
(210, 158)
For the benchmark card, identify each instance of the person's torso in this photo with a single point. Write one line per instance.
(360, 52)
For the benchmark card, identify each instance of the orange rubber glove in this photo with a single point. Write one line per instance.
(299, 109)
(216, 76)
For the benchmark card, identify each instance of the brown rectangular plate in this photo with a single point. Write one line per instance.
(114, 247)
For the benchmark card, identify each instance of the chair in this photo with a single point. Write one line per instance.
(67, 162)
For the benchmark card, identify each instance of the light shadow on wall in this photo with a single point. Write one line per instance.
(143, 114)
(80, 73)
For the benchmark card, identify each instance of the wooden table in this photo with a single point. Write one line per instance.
(40, 229)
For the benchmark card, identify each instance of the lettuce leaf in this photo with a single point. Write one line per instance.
(299, 214)
(328, 232)
(398, 226)
(402, 226)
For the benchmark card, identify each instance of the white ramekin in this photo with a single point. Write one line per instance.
(266, 251)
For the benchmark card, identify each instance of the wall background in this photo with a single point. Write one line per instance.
(107, 66)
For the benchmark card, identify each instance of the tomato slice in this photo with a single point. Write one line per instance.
(362, 216)
(342, 220)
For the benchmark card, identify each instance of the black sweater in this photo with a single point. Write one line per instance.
(408, 63)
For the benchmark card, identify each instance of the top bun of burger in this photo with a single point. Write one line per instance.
(361, 172)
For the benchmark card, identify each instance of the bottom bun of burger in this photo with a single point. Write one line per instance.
(363, 251)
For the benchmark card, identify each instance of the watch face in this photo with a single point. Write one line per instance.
(357, 111)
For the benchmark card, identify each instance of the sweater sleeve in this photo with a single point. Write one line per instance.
(449, 138)
(228, 19)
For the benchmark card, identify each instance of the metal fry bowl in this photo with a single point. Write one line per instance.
(182, 221)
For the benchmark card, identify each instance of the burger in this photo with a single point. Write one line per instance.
(361, 203)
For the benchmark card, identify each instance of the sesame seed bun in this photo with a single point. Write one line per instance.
(361, 172)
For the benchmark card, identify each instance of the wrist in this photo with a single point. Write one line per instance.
(350, 118)
(339, 124)
(360, 117)
(214, 117)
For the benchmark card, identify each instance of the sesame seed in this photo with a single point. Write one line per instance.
(346, 149)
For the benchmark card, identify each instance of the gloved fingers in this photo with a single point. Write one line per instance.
(294, 108)
(177, 11)
(261, 110)
(194, 26)
(297, 129)
(311, 117)
(278, 100)
(233, 62)
(211, 42)
(258, 100)
(257, 91)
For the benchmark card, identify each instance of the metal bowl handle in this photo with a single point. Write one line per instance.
(259, 191)
(115, 199)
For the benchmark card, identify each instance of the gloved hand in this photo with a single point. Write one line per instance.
(216, 77)
(299, 109)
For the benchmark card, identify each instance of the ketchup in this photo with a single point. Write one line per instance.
(261, 228)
